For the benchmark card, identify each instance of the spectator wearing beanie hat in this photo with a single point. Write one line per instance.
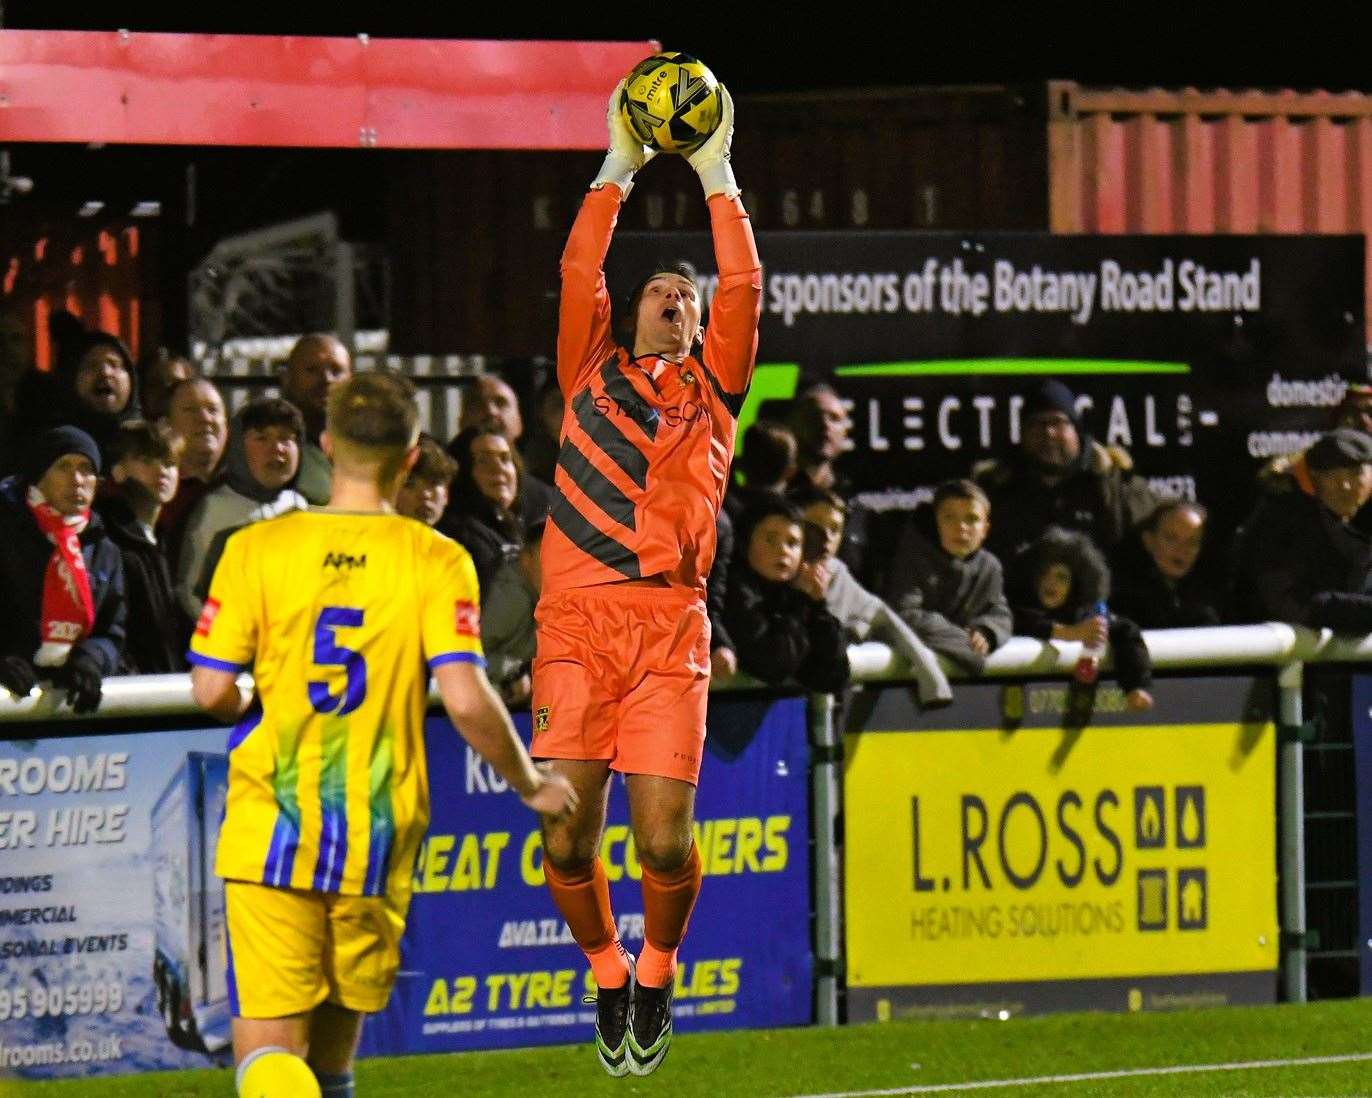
(1060, 476)
(61, 578)
(1299, 557)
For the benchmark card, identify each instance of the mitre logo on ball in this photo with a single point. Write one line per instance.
(671, 102)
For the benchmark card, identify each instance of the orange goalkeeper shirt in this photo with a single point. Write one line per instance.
(646, 443)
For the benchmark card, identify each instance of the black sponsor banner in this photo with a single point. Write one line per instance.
(1202, 356)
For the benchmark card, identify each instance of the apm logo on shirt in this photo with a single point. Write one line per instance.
(343, 561)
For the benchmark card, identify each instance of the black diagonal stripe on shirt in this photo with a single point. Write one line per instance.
(610, 439)
(609, 551)
(619, 389)
(732, 401)
(599, 488)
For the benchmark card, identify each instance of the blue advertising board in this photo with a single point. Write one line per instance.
(488, 964)
(111, 920)
(112, 938)
(1362, 762)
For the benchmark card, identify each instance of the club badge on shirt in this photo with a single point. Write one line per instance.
(207, 615)
(468, 619)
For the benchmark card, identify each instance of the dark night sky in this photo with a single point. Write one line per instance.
(868, 44)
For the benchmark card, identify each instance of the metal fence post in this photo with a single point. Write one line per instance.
(1290, 682)
(826, 776)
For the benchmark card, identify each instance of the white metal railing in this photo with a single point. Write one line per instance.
(1286, 648)
(1272, 644)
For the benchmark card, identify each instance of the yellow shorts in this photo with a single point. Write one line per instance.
(289, 951)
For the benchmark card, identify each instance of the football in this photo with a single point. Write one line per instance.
(671, 102)
(277, 1073)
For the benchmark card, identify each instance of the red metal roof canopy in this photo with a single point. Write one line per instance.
(126, 87)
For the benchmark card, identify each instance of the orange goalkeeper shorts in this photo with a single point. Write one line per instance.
(623, 673)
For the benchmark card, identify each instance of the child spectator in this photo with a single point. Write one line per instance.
(508, 632)
(1156, 581)
(862, 614)
(767, 461)
(944, 584)
(774, 608)
(260, 468)
(1061, 578)
(144, 478)
(61, 580)
(424, 495)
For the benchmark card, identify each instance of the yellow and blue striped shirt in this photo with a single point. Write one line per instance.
(338, 614)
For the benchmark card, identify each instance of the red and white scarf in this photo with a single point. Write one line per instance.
(68, 609)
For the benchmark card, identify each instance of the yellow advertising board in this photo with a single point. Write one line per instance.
(1013, 855)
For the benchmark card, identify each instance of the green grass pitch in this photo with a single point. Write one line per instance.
(887, 1059)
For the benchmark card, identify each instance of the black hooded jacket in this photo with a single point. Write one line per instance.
(1090, 586)
(490, 535)
(63, 406)
(1295, 561)
(779, 633)
(158, 630)
(1145, 595)
(1100, 495)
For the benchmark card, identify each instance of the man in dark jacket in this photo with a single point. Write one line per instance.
(94, 387)
(1156, 579)
(1061, 476)
(144, 478)
(1299, 558)
(61, 578)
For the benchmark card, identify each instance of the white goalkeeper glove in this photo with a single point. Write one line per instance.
(627, 153)
(711, 160)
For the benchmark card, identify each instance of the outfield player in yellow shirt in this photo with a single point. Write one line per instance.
(341, 613)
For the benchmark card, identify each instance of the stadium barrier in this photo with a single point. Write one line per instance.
(1214, 660)
(1284, 652)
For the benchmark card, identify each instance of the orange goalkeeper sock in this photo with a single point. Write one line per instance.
(583, 898)
(667, 902)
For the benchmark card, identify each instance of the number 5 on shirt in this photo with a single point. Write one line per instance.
(328, 653)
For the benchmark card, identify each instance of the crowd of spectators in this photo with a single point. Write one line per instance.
(119, 486)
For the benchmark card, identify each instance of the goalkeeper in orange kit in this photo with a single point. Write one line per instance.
(623, 665)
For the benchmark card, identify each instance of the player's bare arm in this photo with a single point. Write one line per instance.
(218, 694)
(478, 714)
